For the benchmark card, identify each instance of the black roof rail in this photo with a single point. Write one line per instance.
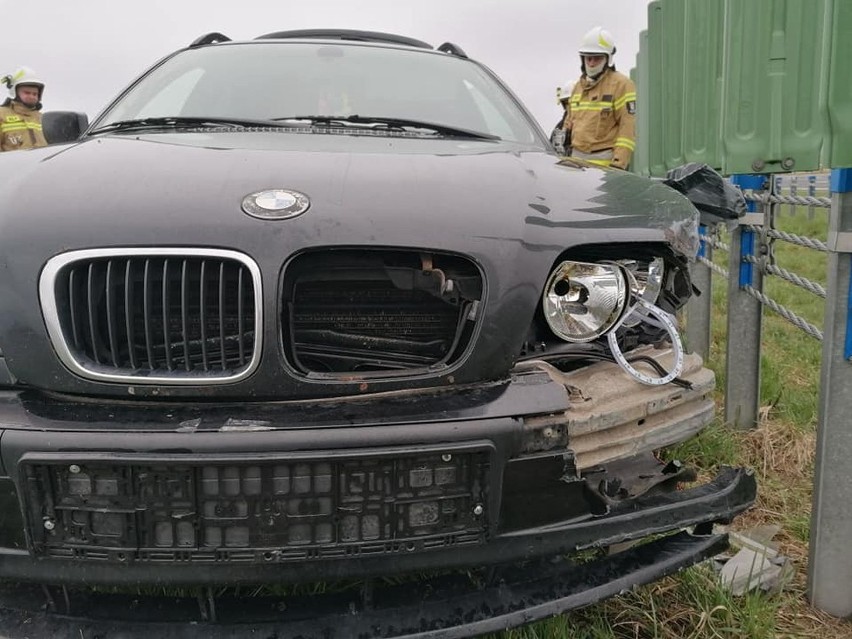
(452, 49)
(347, 34)
(209, 38)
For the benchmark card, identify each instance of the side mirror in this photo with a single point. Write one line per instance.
(63, 126)
(715, 198)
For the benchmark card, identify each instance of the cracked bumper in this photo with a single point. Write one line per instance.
(451, 605)
(544, 465)
(445, 607)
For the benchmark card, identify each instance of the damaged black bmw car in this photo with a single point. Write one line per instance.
(326, 307)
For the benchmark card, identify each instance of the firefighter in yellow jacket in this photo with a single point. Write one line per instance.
(600, 110)
(20, 115)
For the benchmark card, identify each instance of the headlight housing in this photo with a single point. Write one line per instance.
(582, 300)
(648, 277)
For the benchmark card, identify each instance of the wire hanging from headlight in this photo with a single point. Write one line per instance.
(655, 316)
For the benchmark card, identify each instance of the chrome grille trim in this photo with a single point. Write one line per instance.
(50, 310)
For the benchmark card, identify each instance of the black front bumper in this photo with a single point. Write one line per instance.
(452, 606)
(730, 493)
(142, 495)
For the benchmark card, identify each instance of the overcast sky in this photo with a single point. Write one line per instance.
(86, 51)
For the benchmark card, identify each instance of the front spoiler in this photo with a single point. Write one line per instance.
(731, 492)
(541, 583)
(444, 607)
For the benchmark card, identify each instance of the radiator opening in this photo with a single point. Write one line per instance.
(378, 312)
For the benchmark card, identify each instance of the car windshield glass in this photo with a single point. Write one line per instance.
(274, 80)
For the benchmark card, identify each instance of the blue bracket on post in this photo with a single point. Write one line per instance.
(747, 241)
(841, 182)
(748, 182)
(702, 240)
(748, 238)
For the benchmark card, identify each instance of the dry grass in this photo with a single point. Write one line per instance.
(783, 457)
(692, 605)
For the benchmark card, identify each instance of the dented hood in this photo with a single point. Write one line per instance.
(123, 189)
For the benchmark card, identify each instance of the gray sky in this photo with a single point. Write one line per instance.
(86, 51)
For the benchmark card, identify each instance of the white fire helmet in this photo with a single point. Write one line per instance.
(23, 76)
(598, 41)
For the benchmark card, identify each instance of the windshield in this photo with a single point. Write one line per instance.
(275, 80)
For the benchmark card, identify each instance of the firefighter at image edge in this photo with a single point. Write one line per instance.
(600, 110)
(20, 115)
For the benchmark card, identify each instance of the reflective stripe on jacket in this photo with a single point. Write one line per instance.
(601, 115)
(603, 158)
(20, 128)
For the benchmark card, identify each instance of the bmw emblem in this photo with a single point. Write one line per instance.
(276, 204)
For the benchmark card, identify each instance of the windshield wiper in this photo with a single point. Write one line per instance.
(174, 122)
(391, 123)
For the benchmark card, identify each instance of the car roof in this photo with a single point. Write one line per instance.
(352, 35)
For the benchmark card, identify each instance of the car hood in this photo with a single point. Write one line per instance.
(121, 190)
(513, 210)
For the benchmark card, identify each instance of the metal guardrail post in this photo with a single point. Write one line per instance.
(777, 184)
(830, 564)
(811, 193)
(745, 315)
(699, 308)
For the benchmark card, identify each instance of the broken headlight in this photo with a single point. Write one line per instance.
(582, 301)
(648, 278)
